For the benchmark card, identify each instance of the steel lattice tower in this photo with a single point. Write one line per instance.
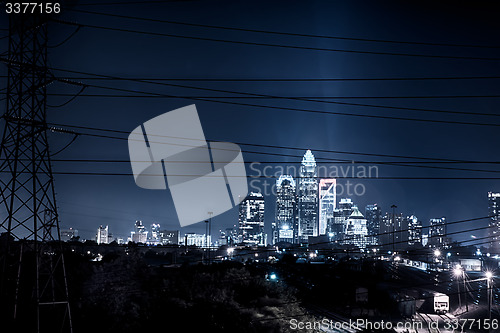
(34, 293)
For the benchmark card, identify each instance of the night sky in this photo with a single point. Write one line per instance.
(87, 201)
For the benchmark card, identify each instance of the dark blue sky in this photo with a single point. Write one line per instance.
(87, 201)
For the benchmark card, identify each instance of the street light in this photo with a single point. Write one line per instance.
(437, 254)
(457, 271)
(230, 252)
(489, 278)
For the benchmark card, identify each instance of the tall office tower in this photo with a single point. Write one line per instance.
(414, 230)
(154, 237)
(286, 221)
(337, 224)
(251, 219)
(373, 215)
(355, 230)
(393, 232)
(102, 235)
(327, 203)
(437, 232)
(494, 213)
(139, 235)
(308, 198)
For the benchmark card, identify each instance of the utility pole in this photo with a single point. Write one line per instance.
(393, 227)
(33, 286)
(209, 236)
(489, 277)
(465, 293)
(206, 241)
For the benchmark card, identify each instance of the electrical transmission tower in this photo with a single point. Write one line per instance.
(34, 293)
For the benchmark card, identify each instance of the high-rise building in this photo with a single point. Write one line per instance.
(327, 203)
(285, 226)
(251, 220)
(355, 230)
(308, 198)
(102, 235)
(169, 237)
(139, 235)
(393, 232)
(373, 215)
(437, 232)
(228, 237)
(68, 234)
(337, 225)
(414, 230)
(154, 237)
(494, 225)
(199, 240)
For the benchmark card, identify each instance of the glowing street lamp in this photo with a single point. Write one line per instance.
(230, 251)
(458, 272)
(489, 279)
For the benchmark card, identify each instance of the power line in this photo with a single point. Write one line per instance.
(319, 99)
(306, 98)
(77, 173)
(302, 109)
(285, 108)
(302, 149)
(280, 33)
(282, 46)
(278, 154)
(268, 146)
(263, 162)
(292, 79)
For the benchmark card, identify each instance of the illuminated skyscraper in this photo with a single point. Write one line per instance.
(437, 232)
(414, 230)
(154, 238)
(355, 230)
(308, 198)
(285, 225)
(393, 232)
(102, 235)
(327, 203)
(337, 225)
(139, 235)
(373, 216)
(494, 213)
(251, 220)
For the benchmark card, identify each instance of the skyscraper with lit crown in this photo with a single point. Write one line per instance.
(308, 198)
(327, 203)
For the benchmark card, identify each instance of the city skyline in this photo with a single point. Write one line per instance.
(257, 165)
(401, 229)
(86, 201)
